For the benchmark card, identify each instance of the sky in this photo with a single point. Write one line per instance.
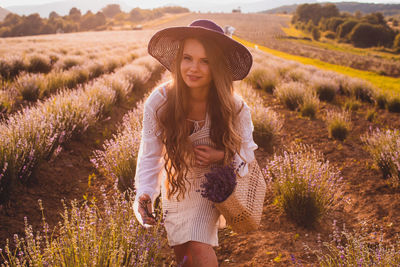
(157, 3)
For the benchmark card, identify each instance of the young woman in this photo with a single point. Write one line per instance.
(191, 124)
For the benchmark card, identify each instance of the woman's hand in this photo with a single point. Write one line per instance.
(206, 155)
(146, 209)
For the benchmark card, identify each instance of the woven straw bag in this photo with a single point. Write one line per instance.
(243, 208)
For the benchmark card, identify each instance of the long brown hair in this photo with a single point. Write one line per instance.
(223, 111)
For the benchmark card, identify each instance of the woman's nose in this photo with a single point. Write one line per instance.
(194, 65)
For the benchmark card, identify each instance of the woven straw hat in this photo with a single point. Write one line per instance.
(164, 46)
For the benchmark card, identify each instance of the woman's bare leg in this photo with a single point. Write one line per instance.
(203, 255)
(197, 255)
(180, 252)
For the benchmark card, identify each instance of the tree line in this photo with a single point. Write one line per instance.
(75, 21)
(361, 30)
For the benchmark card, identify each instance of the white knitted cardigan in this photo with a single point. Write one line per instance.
(148, 177)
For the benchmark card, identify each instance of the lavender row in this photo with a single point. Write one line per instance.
(117, 159)
(97, 233)
(293, 82)
(31, 87)
(36, 134)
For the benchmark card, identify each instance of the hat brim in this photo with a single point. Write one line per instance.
(164, 46)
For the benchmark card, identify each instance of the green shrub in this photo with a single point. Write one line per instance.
(79, 75)
(333, 23)
(371, 115)
(352, 105)
(339, 124)
(96, 69)
(38, 63)
(396, 43)
(70, 62)
(5, 101)
(53, 82)
(11, 67)
(111, 64)
(368, 35)
(263, 79)
(381, 100)
(267, 123)
(329, 35)
(393, 104)
(28, 86)
(291, 94)
(384, 147)
(326, 88)
(316, 34)
(361, 90)
(305, 186)
(345, 28)
(310, 106)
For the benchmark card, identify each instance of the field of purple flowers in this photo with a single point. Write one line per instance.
(329, 149)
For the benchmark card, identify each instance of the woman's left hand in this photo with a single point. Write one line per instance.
(206, 155)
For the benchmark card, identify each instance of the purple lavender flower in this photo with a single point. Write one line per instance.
(219, 184)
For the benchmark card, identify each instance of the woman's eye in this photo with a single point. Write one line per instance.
(205, 61)
(186, 58)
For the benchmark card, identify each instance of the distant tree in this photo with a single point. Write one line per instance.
(111, 10)
(329, 10)
(329, 35)
(5, 31)
(345, 28)
(53, 15)
(136, 15)
(396, 43)
(368, 35)
(33, 24)
(358, 14)
(375, 18)
(310, 26)
(314, 12)
(70, 26)
(48, 28)
(100, 19)
(316, 34)
(121, 16)
(333, 23)
(11, 20)
(75, 14)
(174, 9)
(91, 22)
(88, 13)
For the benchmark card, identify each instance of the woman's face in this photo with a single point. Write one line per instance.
(194, 66)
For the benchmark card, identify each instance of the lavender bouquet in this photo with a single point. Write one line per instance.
(219, 184)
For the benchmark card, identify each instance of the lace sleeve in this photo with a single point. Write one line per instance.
(246, 128)
(150, 160)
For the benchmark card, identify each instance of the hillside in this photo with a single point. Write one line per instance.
(386, 9)
(3, 13)
(63, 7)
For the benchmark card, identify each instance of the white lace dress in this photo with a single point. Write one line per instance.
(193, 218)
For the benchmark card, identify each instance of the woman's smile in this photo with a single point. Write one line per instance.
(194, 65)
(193, 77)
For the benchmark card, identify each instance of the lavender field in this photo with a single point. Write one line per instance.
(71, 111)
